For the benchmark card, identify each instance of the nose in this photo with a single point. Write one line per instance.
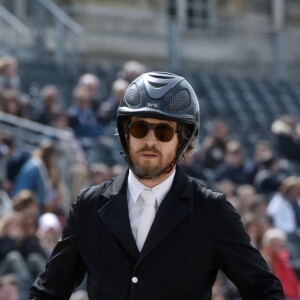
(150, 137)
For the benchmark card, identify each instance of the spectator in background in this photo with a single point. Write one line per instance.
(234, 166)
(107, 112)
(39, 174)
(92, 136)
(12, 247)
(276, 253)
(259, 205)
(9, 77)
(49, 103)
(117, 169)
(256, 226)
(213, 147)
(284, 206)
(25, 202)
(287, 133)
(11, 103)
(223, 288)
(21, 252)
(252, 228)
(91, 83)
(227, 187)
(82, 116)
(9, 287)
(246, 196)
(252, 225)
(77, 162)
(14, 160)
(263, 150)
(131, 70)
(99, 173)
(5, 201)
(269, 177)
(192, 167)
(49, 232)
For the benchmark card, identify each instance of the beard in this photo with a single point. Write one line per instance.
(147, 171)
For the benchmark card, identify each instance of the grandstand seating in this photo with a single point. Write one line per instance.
(36, 74)
(249, 105)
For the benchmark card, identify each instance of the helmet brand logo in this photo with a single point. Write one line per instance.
(153, 105)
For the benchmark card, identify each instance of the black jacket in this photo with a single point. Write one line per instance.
(195, 233)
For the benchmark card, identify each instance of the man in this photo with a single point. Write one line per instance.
(195, 232)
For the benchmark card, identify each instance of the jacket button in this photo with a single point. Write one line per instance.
(134, 279)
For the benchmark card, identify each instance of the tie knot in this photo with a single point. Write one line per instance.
(148, 197)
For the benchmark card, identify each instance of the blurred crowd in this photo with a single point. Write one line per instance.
(262, 183)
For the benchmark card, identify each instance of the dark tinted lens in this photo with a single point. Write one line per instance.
(139, 130)
(164, 133)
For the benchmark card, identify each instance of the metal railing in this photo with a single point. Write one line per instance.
(49, 31)
(241, 47)
(28, 135)
(118, 33)
(60, 15)
(13, 31)
(63, 38)
(12, 21)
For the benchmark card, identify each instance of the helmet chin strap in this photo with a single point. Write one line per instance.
(170, 167)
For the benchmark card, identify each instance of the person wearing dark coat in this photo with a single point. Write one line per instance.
(153, 232)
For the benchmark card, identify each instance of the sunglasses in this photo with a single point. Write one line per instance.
(162, 132)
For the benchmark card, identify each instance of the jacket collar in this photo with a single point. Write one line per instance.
(172, 211)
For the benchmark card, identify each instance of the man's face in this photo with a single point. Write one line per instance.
(234, 158)
(150, 156)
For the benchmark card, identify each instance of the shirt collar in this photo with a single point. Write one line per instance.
(135, 187)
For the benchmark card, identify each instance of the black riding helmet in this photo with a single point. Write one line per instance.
(164, 96)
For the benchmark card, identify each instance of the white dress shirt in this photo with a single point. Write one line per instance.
(282, 213)
(136, 204)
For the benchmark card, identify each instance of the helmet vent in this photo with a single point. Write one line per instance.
(157, 85)
(180, 101)
(132, 97)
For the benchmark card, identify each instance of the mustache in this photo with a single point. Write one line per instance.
(150, 149)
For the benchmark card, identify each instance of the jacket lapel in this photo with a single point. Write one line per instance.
(114, 214)
(173, 210)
